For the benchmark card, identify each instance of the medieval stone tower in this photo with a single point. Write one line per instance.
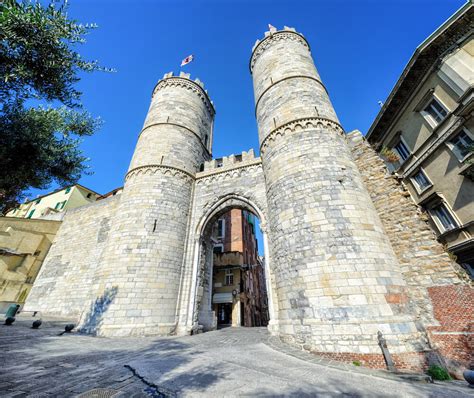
(332, 262)
(141, 263)
(143, 259)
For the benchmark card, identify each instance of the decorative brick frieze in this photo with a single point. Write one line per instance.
(176, 81)
(230, 174)
(273, 38)
(301, 124)
(159, 168)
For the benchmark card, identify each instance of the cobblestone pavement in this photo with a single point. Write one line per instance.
(230, 362)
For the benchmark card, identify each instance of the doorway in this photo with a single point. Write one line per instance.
(224, 314)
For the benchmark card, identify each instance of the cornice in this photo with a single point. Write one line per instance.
(300, 124)
(233, 172)
(424, 60)
(177, 125)
(159, 168)
(287, 78)
(271, 39)
(176, 81)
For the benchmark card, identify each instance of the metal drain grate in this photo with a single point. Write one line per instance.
(99, 393)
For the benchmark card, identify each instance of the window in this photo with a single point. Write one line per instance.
(205, 140)
(30, 214)
(462, 144)
(89, 195)
(443, 217)
(219, 163)
(402, 150)
(37, 201)
(218, 249)
(67, 190)
(229, 277)
(63, 204)
(201, 167)
(435, 110)
(220, 228)
(421, 181)
(57, 205)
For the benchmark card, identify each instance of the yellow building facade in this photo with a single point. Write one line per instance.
(54, 202)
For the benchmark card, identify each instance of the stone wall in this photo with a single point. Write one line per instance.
(63, 286)
(139, 278)
(334, 267)
(439, 292)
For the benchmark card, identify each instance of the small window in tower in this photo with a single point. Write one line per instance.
(205, 140)
(219, 162)
(201, 167)
(89, 195)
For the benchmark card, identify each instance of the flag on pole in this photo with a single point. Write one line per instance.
(271, 28)
(187, 60)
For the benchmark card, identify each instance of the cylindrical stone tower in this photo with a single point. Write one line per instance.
(337, 278)
(138, 277)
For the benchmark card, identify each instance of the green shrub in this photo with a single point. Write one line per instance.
(438, 373)
(356, 363)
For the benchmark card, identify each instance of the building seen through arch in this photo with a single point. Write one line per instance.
(239, 295)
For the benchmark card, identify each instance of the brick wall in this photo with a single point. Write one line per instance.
(403, 362)
(453, 307)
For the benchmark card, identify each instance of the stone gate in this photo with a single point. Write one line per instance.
(137, 264)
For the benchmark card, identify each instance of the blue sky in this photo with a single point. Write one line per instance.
(359, 47)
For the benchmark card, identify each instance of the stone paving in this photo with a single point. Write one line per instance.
(229, 362)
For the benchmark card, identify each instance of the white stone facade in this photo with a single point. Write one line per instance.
(329, 262)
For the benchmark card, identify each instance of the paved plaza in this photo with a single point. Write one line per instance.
(226, 363)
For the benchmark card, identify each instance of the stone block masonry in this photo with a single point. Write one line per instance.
(63, 286)
(347, 254)
(334, 267)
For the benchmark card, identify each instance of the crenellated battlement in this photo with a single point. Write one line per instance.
(184, 75)
(231, 161)
(184, 80)
(272, 35)
(271, 32)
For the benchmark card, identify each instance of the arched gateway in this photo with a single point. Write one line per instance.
(133, 264)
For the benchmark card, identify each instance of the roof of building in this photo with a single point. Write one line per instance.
(59, 190)
(426, 55)
(110, 193)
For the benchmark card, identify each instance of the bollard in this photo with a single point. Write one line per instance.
(386, 352)
(12, 310)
